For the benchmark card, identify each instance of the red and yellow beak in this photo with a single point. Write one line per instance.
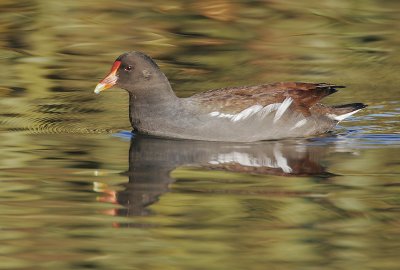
(110, 80)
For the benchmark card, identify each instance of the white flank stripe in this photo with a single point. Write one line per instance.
(239, 116)
(269, 108)
(343, 116)
(221, 115)
(282, 108)
(246, 112)
(299, 124)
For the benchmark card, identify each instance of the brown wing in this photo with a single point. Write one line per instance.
(236, 99)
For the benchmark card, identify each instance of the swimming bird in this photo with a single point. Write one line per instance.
(237, 114)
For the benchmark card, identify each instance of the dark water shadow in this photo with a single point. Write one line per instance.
(151, 161)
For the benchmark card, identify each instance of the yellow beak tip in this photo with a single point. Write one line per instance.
(100, 87)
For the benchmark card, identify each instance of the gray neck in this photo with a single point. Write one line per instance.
(152, 92)
(152, 103)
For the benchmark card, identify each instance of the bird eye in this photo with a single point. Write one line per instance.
(128, 68)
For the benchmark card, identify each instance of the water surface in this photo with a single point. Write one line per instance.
(78, 191)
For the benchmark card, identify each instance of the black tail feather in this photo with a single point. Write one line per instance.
(347, 108)
(329, 89)
(351, 106)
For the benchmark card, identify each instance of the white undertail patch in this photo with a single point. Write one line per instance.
(282, 108)
(343, 116)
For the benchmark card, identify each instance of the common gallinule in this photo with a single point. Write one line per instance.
(242, 114)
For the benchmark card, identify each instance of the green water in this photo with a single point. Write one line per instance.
(78, 191)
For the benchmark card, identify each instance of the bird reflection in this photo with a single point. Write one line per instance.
(152, 159)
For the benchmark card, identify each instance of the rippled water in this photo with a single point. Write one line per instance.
(78, 191)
